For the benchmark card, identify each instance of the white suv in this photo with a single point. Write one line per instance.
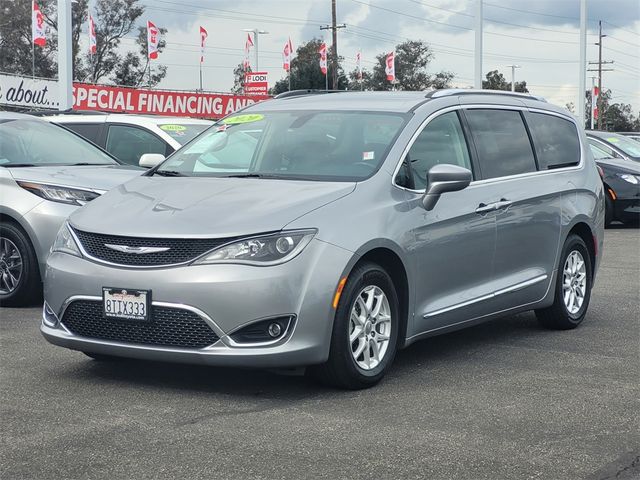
(128, 137)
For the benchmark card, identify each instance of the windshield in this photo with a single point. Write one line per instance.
(31, 142)
(628, 146)
(342, 146)
(183, 132)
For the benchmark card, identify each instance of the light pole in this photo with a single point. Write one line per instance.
(65, 65)
(513, 76)
(255, 32)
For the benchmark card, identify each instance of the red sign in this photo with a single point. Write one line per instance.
(158, 102)
(255, 83)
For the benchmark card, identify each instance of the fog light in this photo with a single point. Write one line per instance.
(49, 318)
(274, 329)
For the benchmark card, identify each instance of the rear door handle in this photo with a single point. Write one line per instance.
(484, 208)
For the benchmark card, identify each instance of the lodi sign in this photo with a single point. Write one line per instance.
(28, 92)
(43, 94)
(256, 83)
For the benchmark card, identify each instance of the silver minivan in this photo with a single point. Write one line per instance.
(329, 231)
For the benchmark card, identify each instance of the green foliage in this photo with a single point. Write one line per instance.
(238, 78)
(305, 71)
(496, 81)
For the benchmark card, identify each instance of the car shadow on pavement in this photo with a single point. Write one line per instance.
(411, 361)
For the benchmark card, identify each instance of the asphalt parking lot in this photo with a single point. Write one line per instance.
(504, 400)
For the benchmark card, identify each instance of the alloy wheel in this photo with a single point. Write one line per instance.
(574, 282)
(10, 266)
(370, 327)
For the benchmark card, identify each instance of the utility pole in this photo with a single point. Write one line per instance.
(513, 76)
(600, 62)
(580, 104)
(65, 65)
(593, 105)
(477, 71)
(334, 48)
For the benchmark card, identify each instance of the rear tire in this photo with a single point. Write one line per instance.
(365, 331)
(573, 287)
(20, 283)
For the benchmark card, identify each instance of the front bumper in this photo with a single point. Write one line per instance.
(226, 297)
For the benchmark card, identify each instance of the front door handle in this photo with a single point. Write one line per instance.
(503, 203)
(484, 208)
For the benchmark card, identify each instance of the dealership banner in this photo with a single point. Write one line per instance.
(158, 102)
(38, 94)
(29, 92)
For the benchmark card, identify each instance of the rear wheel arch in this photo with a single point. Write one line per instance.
(584, 231)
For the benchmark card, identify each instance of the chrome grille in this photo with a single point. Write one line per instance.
(180, 250)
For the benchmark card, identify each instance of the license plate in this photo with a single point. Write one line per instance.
(126, 304)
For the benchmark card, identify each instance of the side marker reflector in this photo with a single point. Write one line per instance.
(336, 297)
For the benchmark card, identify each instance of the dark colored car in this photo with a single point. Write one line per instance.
(621, 179)
(633, 135)
(615, 145)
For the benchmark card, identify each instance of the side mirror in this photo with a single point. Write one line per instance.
(150, 160)
(444, 178)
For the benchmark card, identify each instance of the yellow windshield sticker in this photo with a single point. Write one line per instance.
(248, 118)
(173, 128)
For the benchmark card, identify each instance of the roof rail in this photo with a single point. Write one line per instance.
(310, 91)
(472, 91)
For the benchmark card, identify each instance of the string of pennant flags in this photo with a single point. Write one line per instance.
(153, 41)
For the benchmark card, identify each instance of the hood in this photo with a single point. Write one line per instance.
(204, 207)
(619, 164)
(98, 177)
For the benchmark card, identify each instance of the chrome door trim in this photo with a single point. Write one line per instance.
(512, 288)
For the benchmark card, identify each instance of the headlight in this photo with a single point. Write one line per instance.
(70, 196)
(627, 177)
(266, 250)
(65, 242)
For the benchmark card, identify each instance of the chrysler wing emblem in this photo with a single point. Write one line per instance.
(136, 250)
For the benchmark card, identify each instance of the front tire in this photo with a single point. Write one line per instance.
(19, 276)
(573, 287)
(365, 331)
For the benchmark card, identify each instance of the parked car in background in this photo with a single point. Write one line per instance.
(128, 137)
(633, 135)
(622, 185)
(46, 172)
(615, 145)
(343, 227)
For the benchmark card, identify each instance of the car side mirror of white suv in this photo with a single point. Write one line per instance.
(150, 160)
(444, 178)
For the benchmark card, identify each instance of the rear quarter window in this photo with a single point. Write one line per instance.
(555, 139)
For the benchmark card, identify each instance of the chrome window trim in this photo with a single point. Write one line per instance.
(512, 288)
(179, 306)
(422, 126)
(610, 147)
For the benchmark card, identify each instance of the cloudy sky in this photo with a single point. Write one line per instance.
(542, 36)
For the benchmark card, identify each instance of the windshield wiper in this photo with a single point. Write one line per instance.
(252, 175)
(169, 173)
(18, 165)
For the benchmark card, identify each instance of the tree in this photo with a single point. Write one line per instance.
(411, 61)
(616, 117)
(238, 78)
(496, 81)
(305, 71)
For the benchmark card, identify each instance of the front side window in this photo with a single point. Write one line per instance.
(604, 150)
(629, 147)
(598, 153)
(90, 131)
(556, 141)
(441, 141)
(128, 144)
(320, 145)
(502, 142)
(31, 141)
